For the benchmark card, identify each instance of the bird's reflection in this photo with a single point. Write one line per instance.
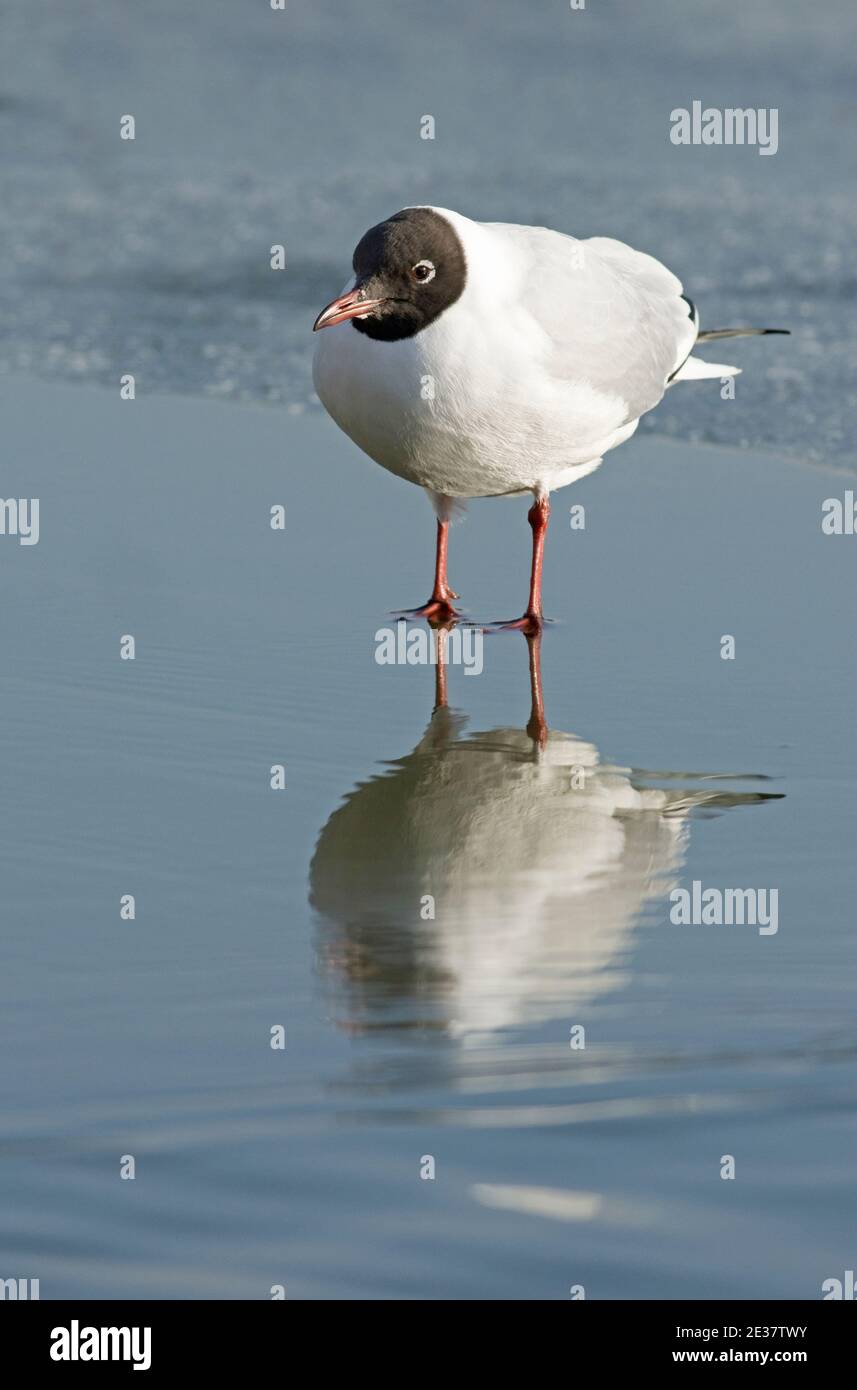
(493, 879)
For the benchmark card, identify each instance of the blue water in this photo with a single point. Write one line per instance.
(410, 1037)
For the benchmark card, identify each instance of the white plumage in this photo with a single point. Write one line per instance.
(552, 353)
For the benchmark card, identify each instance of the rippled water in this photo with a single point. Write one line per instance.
(301, 128)
(408, 1036)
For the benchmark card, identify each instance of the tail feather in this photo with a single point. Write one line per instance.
(737, 333)
(696, 369)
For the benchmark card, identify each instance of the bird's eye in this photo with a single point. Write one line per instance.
(423, 271)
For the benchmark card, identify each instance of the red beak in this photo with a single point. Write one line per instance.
(352, 305)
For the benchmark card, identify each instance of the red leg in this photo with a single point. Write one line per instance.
(532, 621)
(538, 517)
(439, 608)
(537, 726)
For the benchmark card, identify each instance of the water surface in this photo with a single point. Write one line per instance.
(302, 908)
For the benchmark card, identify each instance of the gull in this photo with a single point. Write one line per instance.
(486, 359)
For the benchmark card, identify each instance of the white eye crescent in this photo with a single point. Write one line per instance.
(424, 271)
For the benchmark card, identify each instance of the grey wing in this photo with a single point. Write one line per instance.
(614, 317)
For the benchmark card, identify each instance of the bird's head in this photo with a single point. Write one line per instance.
(407, 270)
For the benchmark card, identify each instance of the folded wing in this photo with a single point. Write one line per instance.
(612, 317)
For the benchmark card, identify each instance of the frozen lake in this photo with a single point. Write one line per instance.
(152, 256)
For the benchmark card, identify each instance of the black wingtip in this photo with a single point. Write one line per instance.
(711, 333)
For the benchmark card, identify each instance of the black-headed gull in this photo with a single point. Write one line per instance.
(484, 359)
